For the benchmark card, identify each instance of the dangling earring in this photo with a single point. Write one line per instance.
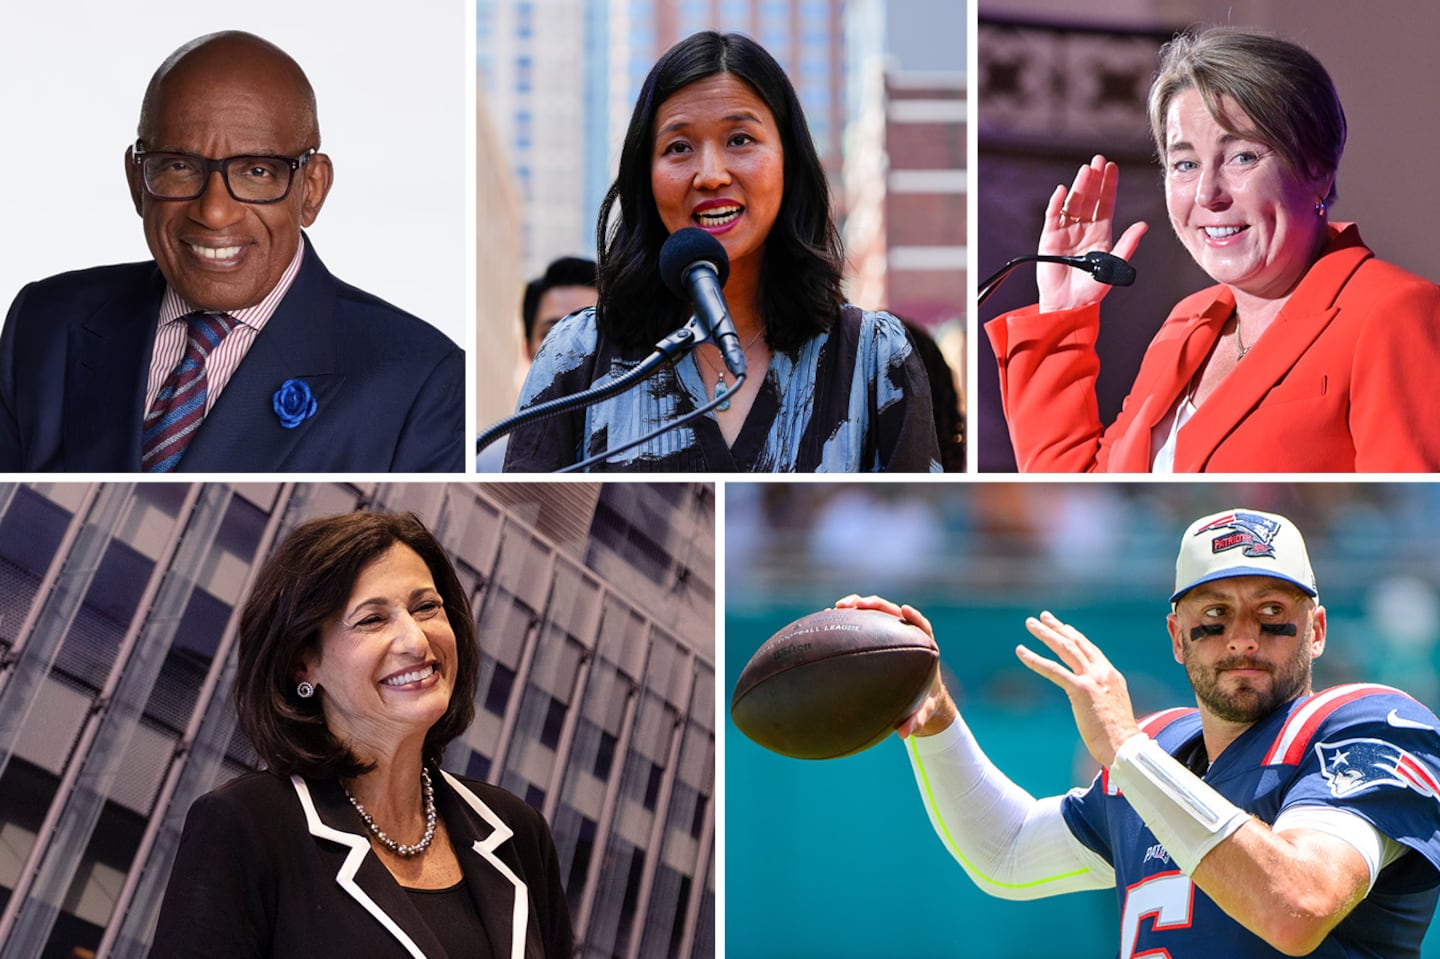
(305, 690)
(1319, 207)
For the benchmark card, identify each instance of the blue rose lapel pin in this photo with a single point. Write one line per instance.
(293, 403)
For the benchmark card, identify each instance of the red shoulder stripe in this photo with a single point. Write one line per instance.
(1151, 726)
(1294, 737)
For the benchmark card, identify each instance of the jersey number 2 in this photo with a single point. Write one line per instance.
(1166, 901)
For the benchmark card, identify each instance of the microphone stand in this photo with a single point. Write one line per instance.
(673, 347)
(1103, 266)
(693, 414)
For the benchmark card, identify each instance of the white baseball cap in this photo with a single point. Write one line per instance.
(1242, 542)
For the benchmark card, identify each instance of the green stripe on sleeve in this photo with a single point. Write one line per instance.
(950, 841)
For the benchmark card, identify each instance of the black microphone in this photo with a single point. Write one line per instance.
(1106, 268)
(695, 267)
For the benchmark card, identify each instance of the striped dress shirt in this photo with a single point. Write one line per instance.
(221, 365)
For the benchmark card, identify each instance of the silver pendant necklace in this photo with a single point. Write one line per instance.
(1240, 346)
(400, 849)
(721, 387)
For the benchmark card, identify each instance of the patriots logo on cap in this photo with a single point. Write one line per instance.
(1249, 532)
(1352, 765)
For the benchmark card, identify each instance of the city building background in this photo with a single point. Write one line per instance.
(883, 87)
(845, 845)
(118, 609)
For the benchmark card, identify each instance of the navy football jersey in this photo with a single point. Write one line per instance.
(1369, 749)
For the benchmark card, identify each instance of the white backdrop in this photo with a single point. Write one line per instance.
(390, 81)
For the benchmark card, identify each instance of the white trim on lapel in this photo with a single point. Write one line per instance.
(486, 848)
(359, 846)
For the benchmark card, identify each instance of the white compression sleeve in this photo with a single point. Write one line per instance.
(1377, 849)
(1183, 811)
(1010, 844)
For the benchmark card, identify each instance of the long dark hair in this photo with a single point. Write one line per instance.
(306, 581)
(802, 264)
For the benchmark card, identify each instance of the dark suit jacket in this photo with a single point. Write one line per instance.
(279, 867)
(1342, 381)
(75, 356)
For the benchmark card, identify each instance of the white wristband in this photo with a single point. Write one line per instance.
(1185, 814)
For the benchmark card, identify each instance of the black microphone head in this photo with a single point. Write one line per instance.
(1109, 268)
(683, 250)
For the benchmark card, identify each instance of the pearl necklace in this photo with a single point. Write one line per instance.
(720, 386)
(400, 849)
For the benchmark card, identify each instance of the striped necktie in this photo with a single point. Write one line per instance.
(179, 407)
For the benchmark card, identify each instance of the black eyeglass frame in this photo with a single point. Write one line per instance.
(138, 155)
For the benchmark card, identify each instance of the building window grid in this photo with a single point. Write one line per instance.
(215, 752)
(131, 686)
(645, 770)
(564, 765)
(532, 760)
(669, 898)
(31, 531)
(589, 771)
(112, 731)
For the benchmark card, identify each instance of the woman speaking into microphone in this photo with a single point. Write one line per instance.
(717, 141)
(1309, 355)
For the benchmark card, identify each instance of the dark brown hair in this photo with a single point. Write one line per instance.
(305, 582)
(801, 269)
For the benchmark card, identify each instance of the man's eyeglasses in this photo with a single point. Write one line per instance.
(250, 179)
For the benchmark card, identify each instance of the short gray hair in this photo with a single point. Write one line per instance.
(1281, 87)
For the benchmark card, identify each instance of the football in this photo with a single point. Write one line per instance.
(834, 683)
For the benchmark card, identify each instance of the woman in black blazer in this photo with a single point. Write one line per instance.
(357, 667)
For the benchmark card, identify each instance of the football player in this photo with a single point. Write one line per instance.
(1267, 818)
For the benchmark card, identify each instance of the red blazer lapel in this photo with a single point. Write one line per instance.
(1310, 309)
(1171, 362)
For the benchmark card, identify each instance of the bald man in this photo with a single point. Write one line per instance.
(234, 350)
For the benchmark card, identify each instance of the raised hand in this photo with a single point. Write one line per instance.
(1098, 694)
(1077, 221)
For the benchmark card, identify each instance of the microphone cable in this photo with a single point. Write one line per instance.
(693, 414)
(670, 348)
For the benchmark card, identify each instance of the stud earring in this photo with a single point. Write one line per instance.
(305, 690)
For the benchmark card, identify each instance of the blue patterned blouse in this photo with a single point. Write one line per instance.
(852, 399)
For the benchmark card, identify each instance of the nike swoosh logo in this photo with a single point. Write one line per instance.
(1399, 723)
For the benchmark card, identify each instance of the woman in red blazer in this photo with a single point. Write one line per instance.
(1309, 355)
